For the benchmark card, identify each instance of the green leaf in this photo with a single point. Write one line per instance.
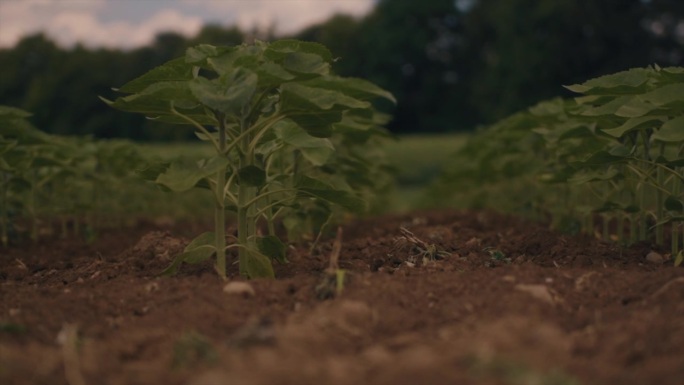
(671, 131)
(609, 108)
(600, 158)
(198, 250)
(632, 81)
(679, 259)
(634, 124)
(353, 87)
(593, 176)
(306, 63)
(272, 75)
(273, 247)
(228, 94)
(278, 50)
(173, 70)
(202, 52)
(315, 150)
(655, 100)
(316, 188)
(259, 265)
(297, 96)
(8, 113)
(252, 176)
(184, 174)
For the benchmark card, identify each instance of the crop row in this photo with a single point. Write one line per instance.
(55, 185)
(608, 162)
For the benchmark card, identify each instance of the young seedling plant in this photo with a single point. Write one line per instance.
(268, 110)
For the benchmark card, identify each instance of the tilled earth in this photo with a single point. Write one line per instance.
(458, 298)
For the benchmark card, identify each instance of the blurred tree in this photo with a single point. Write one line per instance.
(217, 35)
(451, 63)
(412, 49)
(522, 51)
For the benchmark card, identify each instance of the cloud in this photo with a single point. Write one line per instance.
(23, 17)
(287, 16)
(130, 24)
(72, 22)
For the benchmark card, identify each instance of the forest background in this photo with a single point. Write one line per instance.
(453, 65)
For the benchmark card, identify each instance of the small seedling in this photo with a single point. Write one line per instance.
(496, 255)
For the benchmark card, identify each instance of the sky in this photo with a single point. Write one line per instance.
(128, 24)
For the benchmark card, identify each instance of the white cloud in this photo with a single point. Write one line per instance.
(83, 21)
(23, 17)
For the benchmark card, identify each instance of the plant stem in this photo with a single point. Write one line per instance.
(660, 207)
(4, 210)
(674, 230)
(219, 210)
(246, 194)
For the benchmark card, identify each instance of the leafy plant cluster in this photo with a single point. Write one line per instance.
(293, 143)
(614, 153)
(81, 184)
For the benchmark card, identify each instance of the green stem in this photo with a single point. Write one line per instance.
(674, 230)
(4, 210)
(219, 209)
(660, 207)
(605, 218)
(245, 209)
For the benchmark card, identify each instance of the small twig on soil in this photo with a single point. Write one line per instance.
(428, 252)
(335, 253)
(68, 336)
(332, 283)
(666, 286)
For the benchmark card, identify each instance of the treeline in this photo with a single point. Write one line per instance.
(451, 64)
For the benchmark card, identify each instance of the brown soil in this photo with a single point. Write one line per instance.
(513, 303)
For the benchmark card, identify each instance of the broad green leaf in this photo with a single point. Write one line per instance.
(609, 108)
(306, 63)
(671, 131)
(278, 50)
(600, 158)
(315, 188)
(202, 52)
(631, 81)
(205, 239)
(198, 250)
(272, 74)
(654, 100)
(183, 174)
(228, 94)
(593, 176)
(199, 254)
(353, 87)
(316, 123)
(151, 170)
(8, 113)
(259, 266)
(252, 176)
(296, 96)
(315, 150)
(174, 70)
(635, 124)
(272, 247)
